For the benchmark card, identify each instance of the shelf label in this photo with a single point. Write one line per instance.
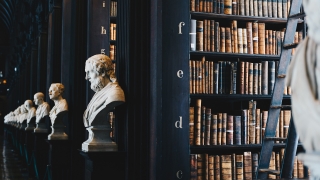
(180, 26)
(179, 174)
(180, 74)
(178, 124)
(103, 30)
(102, 51)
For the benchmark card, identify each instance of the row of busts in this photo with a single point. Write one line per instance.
(29, 118)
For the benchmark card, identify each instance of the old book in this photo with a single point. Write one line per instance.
(252, 121)
(216, 37)
(274, 43)
(258, 124)
(197, 5)
(234, 7)
(205, 35)
(224, 76)
(249, 38)
(278, 163)
(222, 39)
(214, 129)
(244, 126)
(300, 169)
(228, 47)
(239, 167)
(244, 40)
(197, 116)
(211, 77)
(240, 36)
(255, 38)
(199, 44)
(112, 52)
(193, 34)
(191, 126)
(219, 129)
(247, 166)
(203, 124)
(286, 122)
(201, 5)
(221, 6)
(255, 164)
(233, 166)
(216, 167)
(269, 8)
(274, 8)
(264, 123)
(265, 8)
(280, 9)
(226, 168)
(192, 5)
(206, 166)
(200, 166)
(260, 10)
(227, 6)
(227, 78)
(241, 86)
(288, 6)
(246, 78)
(295, 168)
(214, 4)
(255, 78)
(242, 7)
(259, 77)
(285, 8)
(218, 6)
(235, 36)
(247, 7)
(281, 124)
(193, 167)
(234, 72)
(190, 77)
(198, 76)
(207, 77)
(267, 42)
(229, 129)
(221, 78)
(271, 76)
(237, 130)
(264, 77)
(211, 6)
(251, 7)
(212, 35)
(261, 37)
(208, 126)
(216, 77)
(203, 75)
(250, 77)
(255, 7)
(272, 165)
(211, 167)
(194, 73)
(208, 35)
(224, 129)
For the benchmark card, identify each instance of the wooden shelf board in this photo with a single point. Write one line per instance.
(235, 97)
(235, 55)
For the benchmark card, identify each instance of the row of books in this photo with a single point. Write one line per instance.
(113, 8)
(228, 77)
(113, 31)
(112, 52)
(209, 128)
(236, 166)
(207, 35)
(261, 8)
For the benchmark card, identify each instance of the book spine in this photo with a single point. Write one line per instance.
(247, 162)
(285, 8)
(211, 71)
(203, 124)
(198, 122)
(226, 168)
(209, 35)
(240, 36)
(288, 6)
(272, 165)
(220, 85)
(249, 38)
(221, 6)
(255, 164)
(260, 10)
(212, 35)
(193, 167)
(300, 169)
(199, 44)
(191, 126)
(227, 77)
(244, 126)
(261, 37)
(222, 39)
(200, 166)
(233, 166)
(235, 36)
(280, 9)
(255, 7)
(239, 166)
(234, 77)
(274, 8)
(255, 78)
(246, 78)
(228, 40)
(214, 129)
(247, 7)
(201, 5)
(192, 5)
(208, 126)
(244, 40)
(258, 124)
(216, 167)
(237, 129)
(190, 77)
(234, 7)
(193, 34)
(271, 76)
(267, 42)
(242, 66)
(270, 42)
(216, 37)
(215, 6)
(252, 121)
(281, 124)
(227, 6)
(264, 78)
(278, 162)
(274, 43)
(251, 7)
(286, 122)
(229, 130)
(205, 35)
(250, 82)
(206, 166)
(259, 77)
(219, 129)
(265, 8)
(194, 72)
(242, 7)
(264, 123)
(224, 129)
(207, 72)
(211, 167)
(269, 8)
(255, 38)
(216, 77)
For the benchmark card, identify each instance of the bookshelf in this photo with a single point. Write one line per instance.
(208, 32)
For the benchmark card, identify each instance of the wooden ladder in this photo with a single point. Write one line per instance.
(276, 105)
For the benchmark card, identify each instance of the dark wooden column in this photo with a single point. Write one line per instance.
(42, 62)
(33, 71)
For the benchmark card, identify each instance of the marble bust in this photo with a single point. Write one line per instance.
(108, 94)
(31, 115)
(22, 117)
(58, 111)
(42, 111)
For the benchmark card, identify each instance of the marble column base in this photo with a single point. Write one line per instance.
(57, 133)
(41, 128)
(312, 161)
(99, 140)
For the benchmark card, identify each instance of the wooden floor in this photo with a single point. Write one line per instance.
(12, 165)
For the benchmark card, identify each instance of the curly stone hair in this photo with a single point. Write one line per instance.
(102, 64)
(59, 86)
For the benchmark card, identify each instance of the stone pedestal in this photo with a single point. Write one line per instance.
(312, 161)
(104, 165)
(58, 127)
(59, 157)
(41, 126)
(31, 124)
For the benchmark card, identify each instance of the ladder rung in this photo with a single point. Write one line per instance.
(280, 107)
(270, 171)
(298, 15)
(281, 76)
(275, 138)
(290, 46)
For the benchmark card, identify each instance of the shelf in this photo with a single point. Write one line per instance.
(235, 55)
(202, 15)
(234, 97)
(221, 149)
(113, 42)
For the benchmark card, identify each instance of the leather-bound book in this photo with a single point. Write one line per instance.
(218, 6)
(244, 126)
(227, 78)
(295, 168)
(235, 36)
(264, 77)
(247, 7)
(217, 167)
(252, 121)
(255, 7)
(274, 43)
(260, 10)
(237, 130)
(216, 77)
(246, 78)
(224, 129)
(264, 123)
(206, 166)
(192, 5)
(244, 40)
(202, 75)
(216, 37)
(242, 7)
(222, 39)
(207, 73)
(267, 42)
(194, 78)
(191, 126)
(286, 122)
(271, 76)
(208, 126)
(212, 44)
(228, 7)
(247, 164)
(261, 37)
(278, 39)
(249, 38)
(193, 34)
(251, 7)
(211, 167)
(258, 125)
(222, 6)
(285, 8)
(208, 35)
(250, 77)
(259, 77)
(193, 167)
(228, 47)
(221, 78)
(234, 72)
(226, 168)
(255, 78)
(269, 8)
(190, 77)
(230, 130)
(255, 164)
(200, 166)
(201, 5)
(234, 7)
(288, 6)
(233, 166)
(278, 163)
(219, 129)
(198, 122)
(214, 129)
(215, 6)
(274, 8)
(240, 37)
(272, 165)
(255, 38)
(281, 124)
(265, 8)
(241, 85)
(197, 5)
(205, 35)
(199, 44)
(203, 124)
(280, 9)
(239, 167)
(211, 76)
(112, 52)
(300, 169)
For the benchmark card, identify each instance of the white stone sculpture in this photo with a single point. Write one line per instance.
(304, 78)
(58, 112)
(100, 73)
(22, 117)
(41, 113)
(31, 117)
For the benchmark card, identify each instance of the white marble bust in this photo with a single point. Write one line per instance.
(31, 110)
(23, 114)
(100, 73)
(55, 93)
(43, 107)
